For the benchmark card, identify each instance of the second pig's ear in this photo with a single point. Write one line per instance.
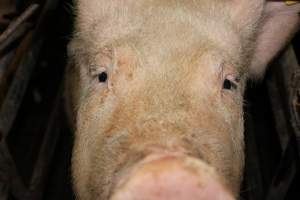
(280, 21)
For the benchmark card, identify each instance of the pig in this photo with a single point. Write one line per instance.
(154, 92)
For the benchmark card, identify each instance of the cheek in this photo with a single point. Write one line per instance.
(218, 137)
(96, 104)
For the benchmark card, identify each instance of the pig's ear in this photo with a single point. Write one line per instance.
(279, 23)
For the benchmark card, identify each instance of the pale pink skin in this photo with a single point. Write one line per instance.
(163, 105)
(171, 176)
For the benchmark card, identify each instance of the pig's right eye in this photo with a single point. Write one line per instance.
(102, 77)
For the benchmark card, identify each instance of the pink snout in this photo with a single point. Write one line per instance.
(171, 177)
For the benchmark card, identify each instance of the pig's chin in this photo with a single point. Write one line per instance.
(175, 176)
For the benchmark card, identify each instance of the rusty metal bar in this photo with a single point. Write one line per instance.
(11, 41)
(13, 180)
(284, 176)
(47, 149)
(4, 62)
(4, 168)
(9, 110)
(15, 24)
(23, 74)
(9, 177)
(283, 87)
(10, 70)
(6, 6)
(17, 89)
(253, 188)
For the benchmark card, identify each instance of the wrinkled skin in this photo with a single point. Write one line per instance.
(176, 76)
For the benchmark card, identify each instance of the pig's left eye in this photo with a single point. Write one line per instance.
(102, 77)
(230, 83)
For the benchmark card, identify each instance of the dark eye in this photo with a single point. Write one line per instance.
(229, 85)
(102, 77)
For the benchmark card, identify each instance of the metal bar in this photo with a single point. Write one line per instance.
(14, 181)
(8, 113)
(9, 71)
(4, 62)
(11, 106)
(254, 188)
(15, 24)
(285, 174)
(14, 37)
(4, 175)
(47, 150)
(281, 88)
(17, 89)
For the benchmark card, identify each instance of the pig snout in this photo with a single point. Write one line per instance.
(170, 175)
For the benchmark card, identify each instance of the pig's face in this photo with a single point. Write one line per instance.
(147, 80)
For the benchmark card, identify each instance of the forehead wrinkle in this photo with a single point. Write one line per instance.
(111, 25)
(170, 29)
